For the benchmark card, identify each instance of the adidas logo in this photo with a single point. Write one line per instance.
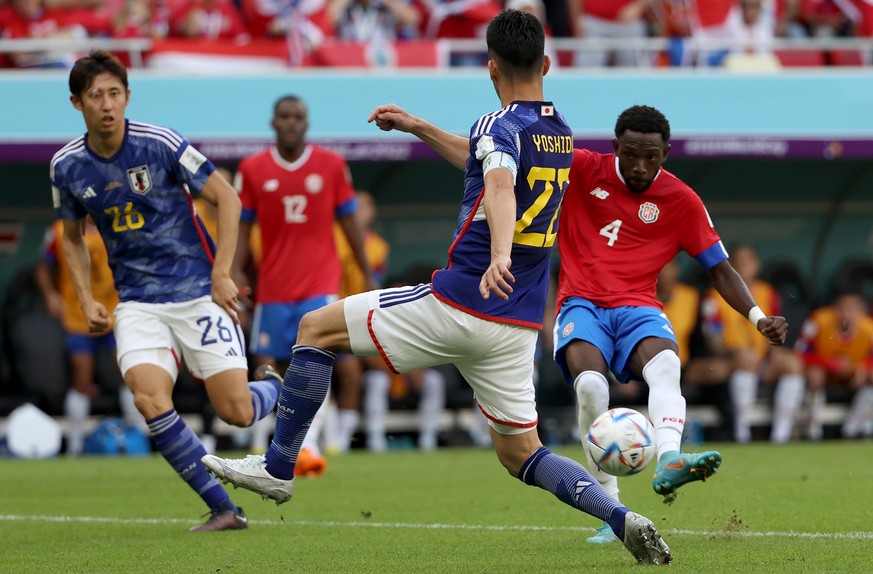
(580, 486)
(599, 193)
(231, 353)
(89, 193)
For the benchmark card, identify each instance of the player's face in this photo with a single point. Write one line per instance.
(103, 105)
(290, 122)
(746, 263)
(639, 158)
(849, 309)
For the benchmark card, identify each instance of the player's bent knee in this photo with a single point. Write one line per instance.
(325, 328)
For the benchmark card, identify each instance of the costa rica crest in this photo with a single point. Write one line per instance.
(649, 212)
(140, 179)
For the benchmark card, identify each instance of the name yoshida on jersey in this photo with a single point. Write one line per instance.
(534, 142)
(141, 201)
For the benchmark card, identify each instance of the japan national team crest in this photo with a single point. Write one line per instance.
(649, 212)
(140, 179)
(313, 183)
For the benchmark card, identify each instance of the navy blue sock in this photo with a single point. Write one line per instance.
(264, 396)
(573, 485)
(182, 448)
(305, 388)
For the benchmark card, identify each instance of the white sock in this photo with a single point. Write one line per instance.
(376, 388)
(592, 396)
(859, 413)
(433, 401)
(331, 432)
(666, 403)
(348, 424)
(260, 431)
(787, 401)
(744, 392)
(816, 405)
(131, 414)
(77, 407)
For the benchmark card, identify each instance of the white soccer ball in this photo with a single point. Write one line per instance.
(621, 442)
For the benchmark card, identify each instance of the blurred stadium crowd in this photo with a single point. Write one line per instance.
(584, 33)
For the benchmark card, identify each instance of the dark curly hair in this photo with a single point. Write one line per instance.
(643, 119)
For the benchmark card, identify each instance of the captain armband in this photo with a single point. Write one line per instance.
(497, 159)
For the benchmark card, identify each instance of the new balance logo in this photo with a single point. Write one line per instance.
(599, 193)
(89, 193)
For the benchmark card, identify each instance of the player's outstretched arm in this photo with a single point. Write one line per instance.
(731, 286)
(453, 147)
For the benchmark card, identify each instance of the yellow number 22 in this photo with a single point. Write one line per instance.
(549, 176)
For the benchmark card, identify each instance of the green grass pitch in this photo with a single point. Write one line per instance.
(795, 508)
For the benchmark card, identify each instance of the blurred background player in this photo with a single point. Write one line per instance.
(295, 191)
(343, 415)
(174, 283)
(752, 358)
(82, 346)
(836, 343)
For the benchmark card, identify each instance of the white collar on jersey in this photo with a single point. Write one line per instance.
(618, 173)
(291, 165)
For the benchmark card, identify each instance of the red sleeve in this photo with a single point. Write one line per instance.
(345, 190)
(696, 233)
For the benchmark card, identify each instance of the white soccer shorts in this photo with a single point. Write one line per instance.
(412, 329)
(207, 337)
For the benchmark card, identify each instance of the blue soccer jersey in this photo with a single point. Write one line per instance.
(536, 136)
(141, 200)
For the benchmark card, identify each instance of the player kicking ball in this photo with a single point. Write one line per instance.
(481, 317)
(623, 218)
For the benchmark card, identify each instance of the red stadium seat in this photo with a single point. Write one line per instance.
(403, 54)
(790, 58)
(846, 58)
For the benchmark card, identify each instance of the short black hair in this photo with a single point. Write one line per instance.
(288, 98)
(643, 119)
(88, 67)
(517, 41)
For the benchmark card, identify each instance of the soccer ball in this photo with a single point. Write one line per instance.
(621, 442)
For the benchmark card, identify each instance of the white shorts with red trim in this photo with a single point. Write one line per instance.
(203, 332)
(411, 329)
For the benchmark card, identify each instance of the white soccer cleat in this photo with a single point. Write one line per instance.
(250, 473)
(641, 538)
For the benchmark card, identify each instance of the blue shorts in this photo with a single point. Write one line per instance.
(274, 325)
(81, 344)
(616, 332)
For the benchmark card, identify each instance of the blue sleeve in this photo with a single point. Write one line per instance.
(712, 256)
(247, 215)
(346, 208)
(192, 167)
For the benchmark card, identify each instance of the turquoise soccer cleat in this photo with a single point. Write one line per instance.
(675, 469)
(603, 535)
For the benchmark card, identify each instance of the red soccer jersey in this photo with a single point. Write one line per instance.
(614, 242)
(296, 205)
